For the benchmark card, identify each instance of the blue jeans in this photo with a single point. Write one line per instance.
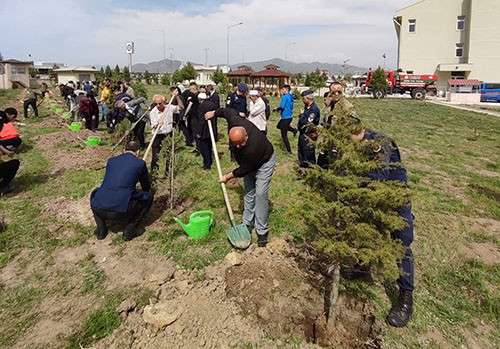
(256, 211)
(407, 267)
(103, 111)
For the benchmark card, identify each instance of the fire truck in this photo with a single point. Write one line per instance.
(417, 85)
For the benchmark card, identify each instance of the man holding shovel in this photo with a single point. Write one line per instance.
(256, 159)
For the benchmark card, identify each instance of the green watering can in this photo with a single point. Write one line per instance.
(75, 126)
(200, 224)
(93, 141)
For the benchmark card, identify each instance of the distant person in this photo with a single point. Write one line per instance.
(257, 111)
(263, 95)
(117, 199)
(87, 87)
(128, 89)
(190, 96)
(286, 112)
(213, 96)
(93, 123)
(238, 100)
(105, 99)
(308, 133)
(8, 169)
(30, 100)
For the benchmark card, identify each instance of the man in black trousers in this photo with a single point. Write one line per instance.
(117, 199)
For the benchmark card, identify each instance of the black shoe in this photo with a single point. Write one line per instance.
(262, 240)
(101, 234)
(402, 310)
(131, 232)
(4, 190)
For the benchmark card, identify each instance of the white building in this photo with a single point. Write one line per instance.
(66, 74)
(14, 72)
(454, 39)
(206, 73)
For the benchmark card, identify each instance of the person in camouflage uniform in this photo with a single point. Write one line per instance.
(339, 105)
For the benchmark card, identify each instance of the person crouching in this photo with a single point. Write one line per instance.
(117, 199)
(10, 139)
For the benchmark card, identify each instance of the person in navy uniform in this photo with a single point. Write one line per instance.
(117, 199)
(386, 152)
(307, 126)
(238, 100)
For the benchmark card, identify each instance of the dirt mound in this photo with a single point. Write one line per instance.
(66, 151)
(488, 253)
(244, 300)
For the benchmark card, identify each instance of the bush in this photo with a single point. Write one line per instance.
(139, 89)
(379, 81)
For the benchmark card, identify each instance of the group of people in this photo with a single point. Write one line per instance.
(247, 115)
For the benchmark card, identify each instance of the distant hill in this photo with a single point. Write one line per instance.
(295, 68)
(169, 66)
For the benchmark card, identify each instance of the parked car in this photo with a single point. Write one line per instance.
(490, 92)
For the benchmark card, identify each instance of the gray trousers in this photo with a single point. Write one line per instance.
(256, 212)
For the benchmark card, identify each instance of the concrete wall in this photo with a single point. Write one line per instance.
(485, 40)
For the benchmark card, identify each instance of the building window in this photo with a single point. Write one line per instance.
(459, 50)
(412, 25)
(460, 22)
(18, 70)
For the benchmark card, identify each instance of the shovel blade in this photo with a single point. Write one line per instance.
(239, 236)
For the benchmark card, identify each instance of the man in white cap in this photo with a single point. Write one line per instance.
(257, 111)
(162, 116)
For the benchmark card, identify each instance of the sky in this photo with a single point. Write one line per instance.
(94, 32)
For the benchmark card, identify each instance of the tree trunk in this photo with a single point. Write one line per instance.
(332, 281)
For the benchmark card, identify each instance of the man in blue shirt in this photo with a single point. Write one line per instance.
(308, 133)
(286, 112)
(117, 199)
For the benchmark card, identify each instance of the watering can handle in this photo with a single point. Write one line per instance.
(217, 162)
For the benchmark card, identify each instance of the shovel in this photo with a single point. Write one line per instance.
(238, 235)
(130, 130)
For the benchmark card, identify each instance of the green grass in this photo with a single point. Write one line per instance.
(98, 324)
(445, 150)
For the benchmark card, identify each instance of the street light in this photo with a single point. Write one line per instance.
(286, 49)
(228, 28)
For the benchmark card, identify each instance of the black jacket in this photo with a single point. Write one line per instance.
(200, 125)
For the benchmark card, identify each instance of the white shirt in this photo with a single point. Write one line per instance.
(165, 118)
(257, 115)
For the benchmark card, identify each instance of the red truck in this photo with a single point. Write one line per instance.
(417, 85)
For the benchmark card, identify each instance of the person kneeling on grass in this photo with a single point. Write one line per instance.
(9, 135)
(117, 199)
(255, 155)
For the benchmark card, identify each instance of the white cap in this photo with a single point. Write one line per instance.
(253, 93)
(202, 95)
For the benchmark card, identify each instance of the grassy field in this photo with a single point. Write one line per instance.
(453, 159)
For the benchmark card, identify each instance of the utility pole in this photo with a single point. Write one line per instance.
(227, 43)
(206, 56)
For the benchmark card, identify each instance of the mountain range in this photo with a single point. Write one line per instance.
(169, 66)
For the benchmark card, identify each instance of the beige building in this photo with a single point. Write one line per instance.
(450, 38)
(67, 74)
(14, 72)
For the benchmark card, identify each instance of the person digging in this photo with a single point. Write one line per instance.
(257, 160)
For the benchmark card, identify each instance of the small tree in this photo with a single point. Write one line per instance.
(188, 72)
(165, 80)
(117, 74)
(1, 57)
(139, 89)
(379, 83)
(147, 77)
(177, 76)
(350, 216)
(218, 77)
(108, 74)
(126, 74)
(316, 80)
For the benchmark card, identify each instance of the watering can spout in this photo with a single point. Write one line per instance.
(181, 223)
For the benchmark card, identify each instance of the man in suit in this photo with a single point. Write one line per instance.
(117, 199)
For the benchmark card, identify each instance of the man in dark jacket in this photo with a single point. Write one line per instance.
(308, 121)
(238, 100)
(202, 132)
(256, 159)
(189, 96)
(117, 199)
